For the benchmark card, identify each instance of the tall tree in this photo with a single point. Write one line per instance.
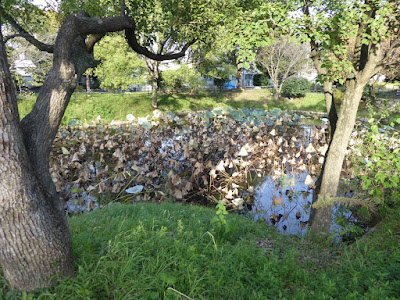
(354, 40)
(351, 41)
(35, 243)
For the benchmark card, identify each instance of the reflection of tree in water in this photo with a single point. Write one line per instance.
(284, 196)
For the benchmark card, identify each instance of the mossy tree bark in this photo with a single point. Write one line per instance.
(328, 181)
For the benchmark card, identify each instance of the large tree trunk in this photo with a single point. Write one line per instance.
(40, 126)
(326, 189)
(35, 242)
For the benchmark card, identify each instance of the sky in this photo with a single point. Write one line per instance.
(43, 3)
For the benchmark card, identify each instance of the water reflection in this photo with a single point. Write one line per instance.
(285, 203)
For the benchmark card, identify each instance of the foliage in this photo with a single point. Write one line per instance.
(216, 59)
(220, 219)
(120, 67)
(176, 21)
(254, 26)
(378, 163)
(142, 250)
(185, 76)
(296, 87)
(261, 80)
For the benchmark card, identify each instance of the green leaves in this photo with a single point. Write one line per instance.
(119, 66)
(381, 166)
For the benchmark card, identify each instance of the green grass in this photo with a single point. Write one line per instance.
(115, 106)
(140, 251)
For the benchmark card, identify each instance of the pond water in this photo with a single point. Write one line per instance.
(286, 203)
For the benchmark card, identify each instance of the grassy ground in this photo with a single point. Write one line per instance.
(114, 106)
(157, 251)
(171, 251)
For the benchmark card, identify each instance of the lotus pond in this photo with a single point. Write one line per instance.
(264, 162)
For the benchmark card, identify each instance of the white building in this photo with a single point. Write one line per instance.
(21, 67)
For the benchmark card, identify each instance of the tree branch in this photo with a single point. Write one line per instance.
(134, 44)
(91, 40)
(10, 37)
(23, 33)
(122, 7)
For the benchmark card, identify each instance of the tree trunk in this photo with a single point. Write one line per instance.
(154, 103)
(41, 125)
(239, 79)
(330, 105)
(321, 214)
(88, 90)
(35, 242)
(275, 93)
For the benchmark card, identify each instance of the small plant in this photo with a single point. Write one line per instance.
(220, 220)
(295, 87)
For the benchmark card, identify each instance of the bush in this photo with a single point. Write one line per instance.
(261, 80)
(295, 87)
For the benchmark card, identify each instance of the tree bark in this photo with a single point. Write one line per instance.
(35, 242)
(88, 90)
(239, 79)
(154, 103)
(328, 182)
(275, 93)
(330, 105)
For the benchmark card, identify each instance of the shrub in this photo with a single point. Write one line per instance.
(295, 87)
(261, 80)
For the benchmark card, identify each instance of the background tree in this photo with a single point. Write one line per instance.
(185, 76)
(281, 60)
(45, 25)
(119, 67)
(216, 60)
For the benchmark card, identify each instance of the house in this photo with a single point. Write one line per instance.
(21, 67)
(247, 80)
